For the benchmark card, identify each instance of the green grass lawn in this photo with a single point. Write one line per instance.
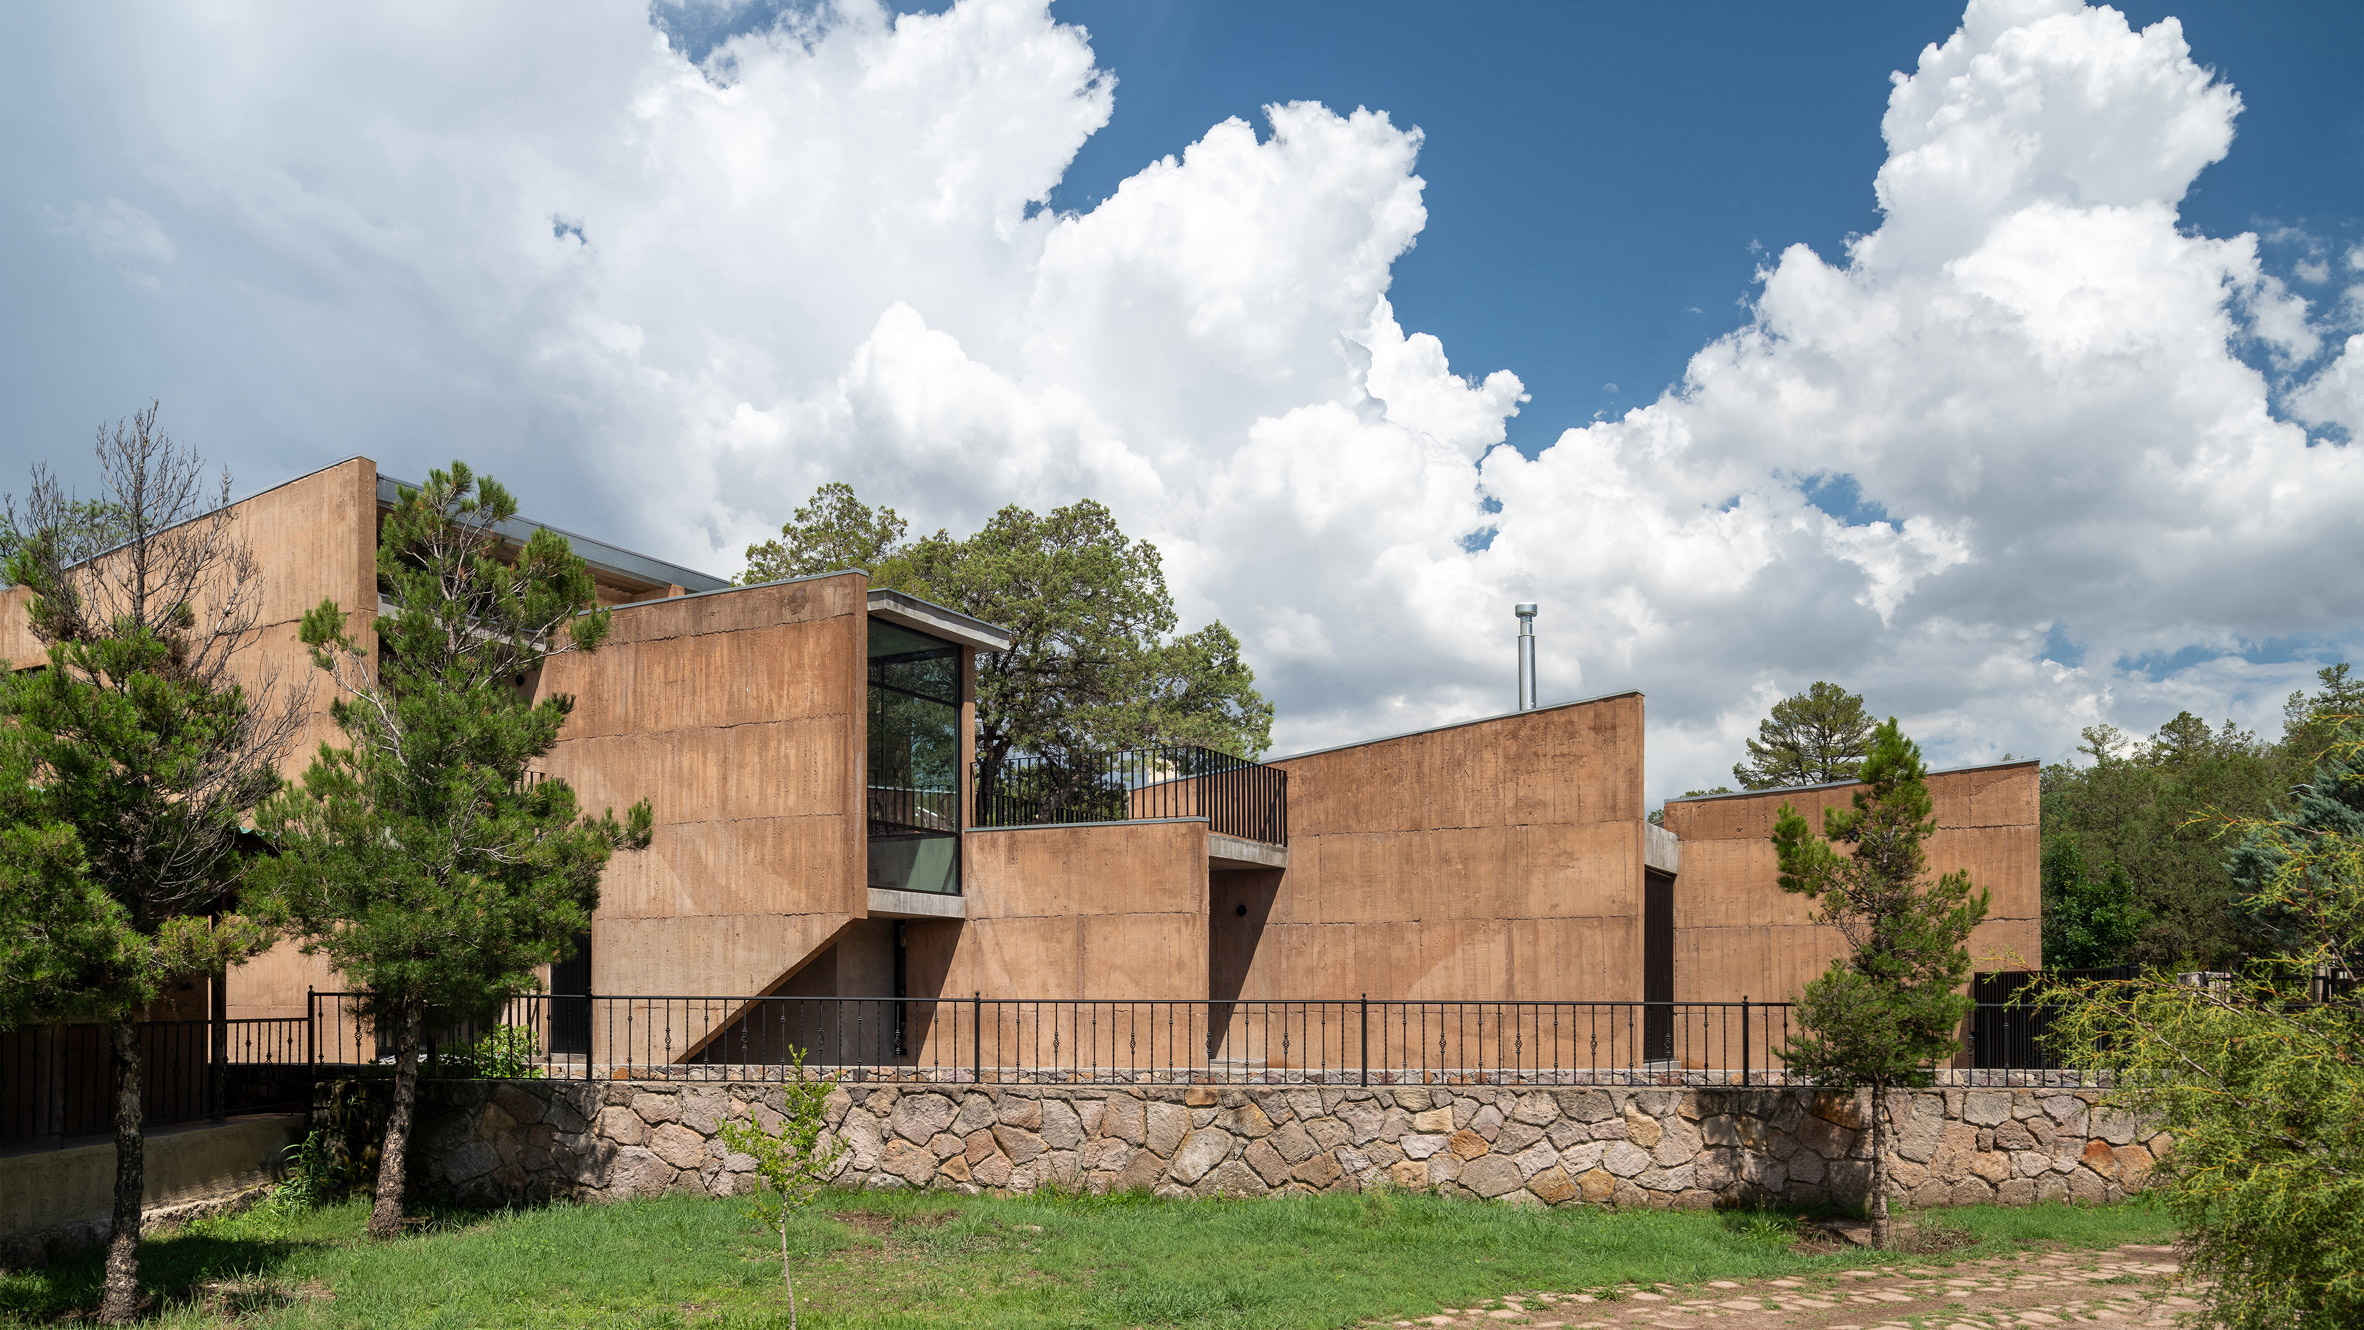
(931, 1260)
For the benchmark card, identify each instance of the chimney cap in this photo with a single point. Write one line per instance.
(1524, 609)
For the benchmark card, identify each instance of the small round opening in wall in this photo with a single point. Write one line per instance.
(1240, 910)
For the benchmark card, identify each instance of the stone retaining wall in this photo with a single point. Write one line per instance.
(515, 1142)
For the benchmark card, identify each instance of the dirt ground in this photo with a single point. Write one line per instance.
(2128, 1286)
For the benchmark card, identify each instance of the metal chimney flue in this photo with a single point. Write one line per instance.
(1526, 613)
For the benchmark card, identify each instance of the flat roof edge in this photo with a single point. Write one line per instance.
(1452, 725)
(1843, 784)
(928, 617)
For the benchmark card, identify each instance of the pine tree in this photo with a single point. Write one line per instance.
(1812, 738)
(2257, 1078)
(2310, 721)
(2135, 803)
(2089, 919)
(833, 533)
(421, 860)
(1880, 1015)
(2329, 806)
(129, 765)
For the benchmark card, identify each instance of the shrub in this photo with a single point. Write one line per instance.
(2258, 1076)
(311, 1180)
(504, 1053)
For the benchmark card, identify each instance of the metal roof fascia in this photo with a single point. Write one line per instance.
(921, 616)
(597, 553)
(1450, 725)
(1843, 784)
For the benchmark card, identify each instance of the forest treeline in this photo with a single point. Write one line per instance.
(2137, 866)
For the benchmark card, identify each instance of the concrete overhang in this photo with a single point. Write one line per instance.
(1661, 849)
(888, 903)
(1228, 853)
(918, 615)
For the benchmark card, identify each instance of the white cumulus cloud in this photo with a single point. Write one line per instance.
(825, 253)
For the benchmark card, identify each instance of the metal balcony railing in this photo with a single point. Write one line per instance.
(1238, 797)
(903, 811)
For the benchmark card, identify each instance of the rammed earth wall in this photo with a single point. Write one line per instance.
(528, 1141)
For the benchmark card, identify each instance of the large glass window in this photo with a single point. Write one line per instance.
(914, 760)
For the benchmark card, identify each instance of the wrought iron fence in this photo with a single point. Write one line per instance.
(1238, 797)
(983, 1040)
(57, 1082)
(2009, 1031)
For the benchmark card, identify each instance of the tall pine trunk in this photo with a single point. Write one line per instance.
(385, 1216)
(1879, 1185)
(121, 1301)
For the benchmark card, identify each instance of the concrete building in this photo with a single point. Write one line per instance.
(807, 747)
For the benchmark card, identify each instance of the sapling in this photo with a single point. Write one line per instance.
(1889, 1007)
(794, 1161)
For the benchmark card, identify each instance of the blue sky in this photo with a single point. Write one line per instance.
(1604, 179)
(2063, 443)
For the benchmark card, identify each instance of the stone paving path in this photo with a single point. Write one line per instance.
(2130, 1286)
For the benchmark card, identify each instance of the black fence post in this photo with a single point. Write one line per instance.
(1744, 1049)
(1366, 1040)
(977, 1036)
(311, 1026)
(217, 1045)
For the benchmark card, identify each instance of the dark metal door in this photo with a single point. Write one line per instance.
(1657, 966)
(570, 1001)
